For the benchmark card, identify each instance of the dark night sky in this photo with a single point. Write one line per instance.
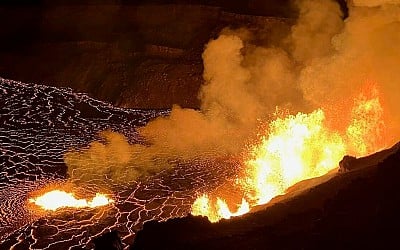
(254, 7)
(257, 7)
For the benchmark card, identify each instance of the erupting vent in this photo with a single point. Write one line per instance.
(296, 148)
(274, 110)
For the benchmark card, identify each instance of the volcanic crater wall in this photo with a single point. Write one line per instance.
(143, 56)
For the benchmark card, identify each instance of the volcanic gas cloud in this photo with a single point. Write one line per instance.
(290, 108)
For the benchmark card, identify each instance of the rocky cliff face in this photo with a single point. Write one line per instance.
(133, 55)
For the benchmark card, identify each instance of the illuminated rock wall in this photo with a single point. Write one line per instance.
(144, 56)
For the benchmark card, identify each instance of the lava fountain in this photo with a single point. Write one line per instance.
(57, 199)
(299, 147)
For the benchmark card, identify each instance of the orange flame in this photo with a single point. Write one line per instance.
(56, 199)
(203, 206)
(299, 147)
(366, 130)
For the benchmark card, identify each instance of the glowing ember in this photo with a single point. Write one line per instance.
(296, 148)
(56, 199)
(366, 130)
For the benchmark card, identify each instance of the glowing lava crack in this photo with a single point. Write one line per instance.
(56, 199)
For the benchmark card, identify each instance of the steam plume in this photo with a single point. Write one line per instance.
(322, 63)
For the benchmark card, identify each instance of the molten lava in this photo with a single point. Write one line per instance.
(56, 199)
(203, 206)
(299, 147)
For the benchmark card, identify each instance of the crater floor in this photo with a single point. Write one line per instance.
(38, 124)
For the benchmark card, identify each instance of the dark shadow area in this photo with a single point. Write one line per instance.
(108, 241)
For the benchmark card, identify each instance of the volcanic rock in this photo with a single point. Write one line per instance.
(347, 163)
(108, 241)
(356, 209)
